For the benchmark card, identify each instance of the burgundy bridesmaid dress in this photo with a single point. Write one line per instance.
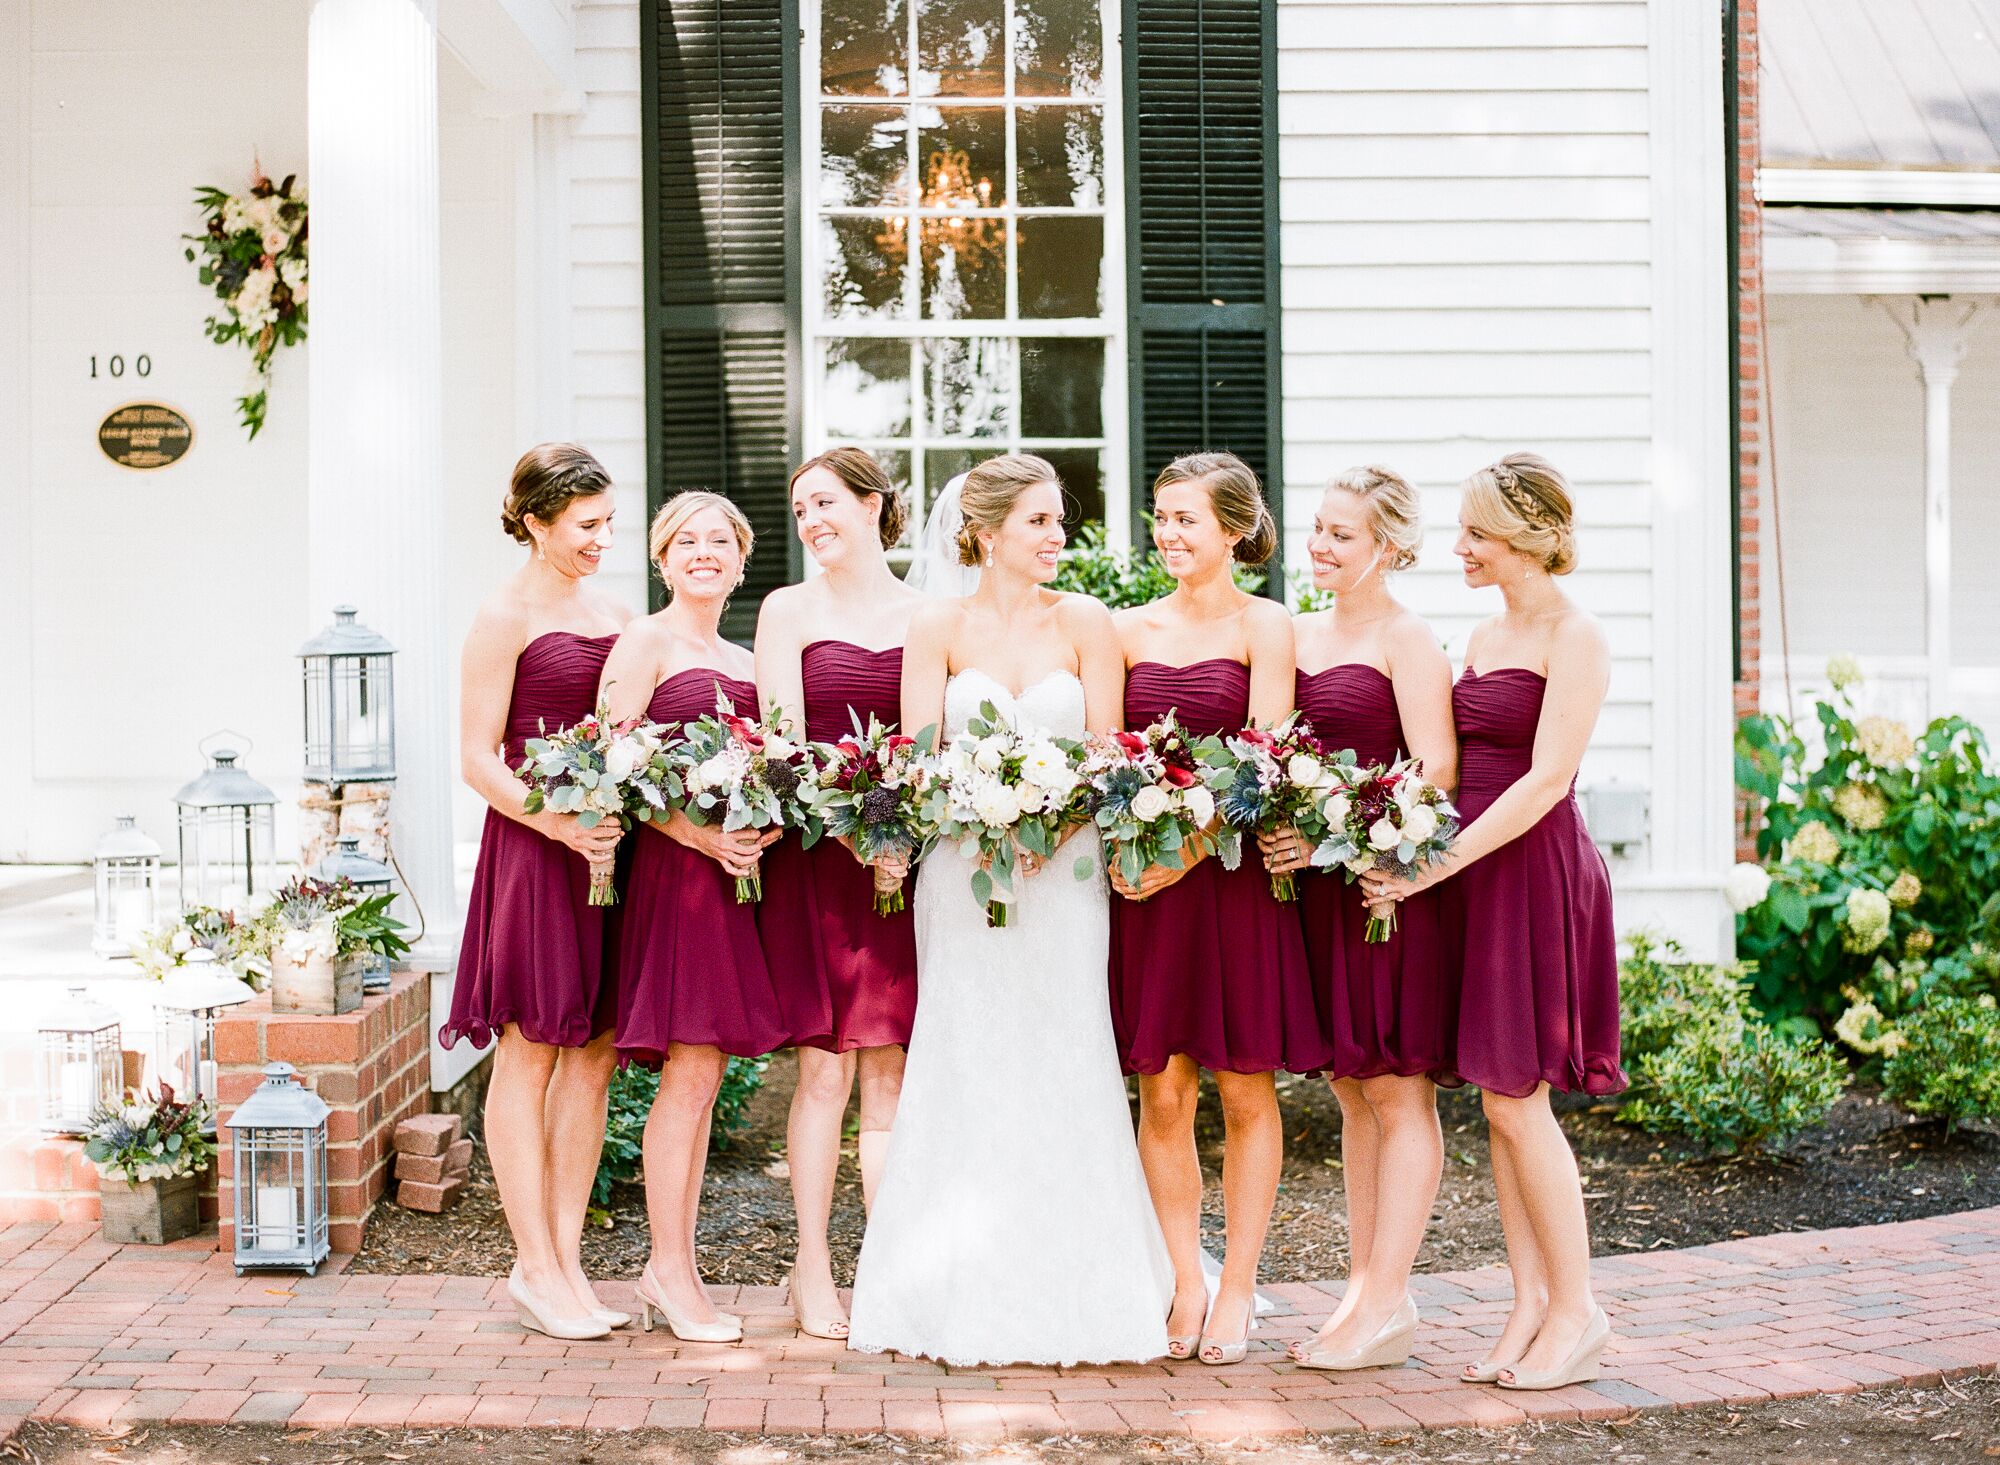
(1388, 1007)
(691, 969)
(1213, 966)
(822, 937)
(1538, 996)
(534, 952)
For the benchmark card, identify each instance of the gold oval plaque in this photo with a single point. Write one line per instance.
(145, 435)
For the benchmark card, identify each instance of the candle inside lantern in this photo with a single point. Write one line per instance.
(78, 1092)
(277, 1213)
(207, 1090)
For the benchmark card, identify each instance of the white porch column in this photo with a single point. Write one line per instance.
(375, 481)
(1936, 329)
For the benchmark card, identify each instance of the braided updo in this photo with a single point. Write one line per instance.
(547, 479)
(1524, 502)
(989, 492)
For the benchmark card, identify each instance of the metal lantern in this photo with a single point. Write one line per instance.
(227, 824)
(278, 1151)
(128, 878)
(369, 878)
(184, 1026)
(81, 1068)
(350, 701)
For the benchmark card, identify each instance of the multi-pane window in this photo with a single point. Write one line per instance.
(964, 284)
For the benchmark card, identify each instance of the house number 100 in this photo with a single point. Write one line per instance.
(142, 365)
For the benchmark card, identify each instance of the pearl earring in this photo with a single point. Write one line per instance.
(540, 552)
(989, 556)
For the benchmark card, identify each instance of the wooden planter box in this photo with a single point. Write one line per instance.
(153, 1212)
(321, 987)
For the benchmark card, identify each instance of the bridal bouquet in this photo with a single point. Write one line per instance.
(1385, 818)
(746, 774)
(869, 789)
(595, 769)
(1149, 795)
(998, 790)
(1277, 779)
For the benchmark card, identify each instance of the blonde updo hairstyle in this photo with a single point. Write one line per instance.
(682, 507)
(548, 478)
(990, 492)
(1395, 515)
(1235, 496)
(860, 474)
(1524, 502)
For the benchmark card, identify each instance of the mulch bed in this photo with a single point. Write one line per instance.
(1868, 1163)
(1958, 1421)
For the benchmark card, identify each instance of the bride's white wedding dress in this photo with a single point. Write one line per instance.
(1013, 1224)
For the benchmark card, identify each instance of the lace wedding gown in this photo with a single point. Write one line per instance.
(1013, 1224)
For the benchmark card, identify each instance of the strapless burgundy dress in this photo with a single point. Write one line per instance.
(691, 969)
(1538, 990)
(1389, 1007)
(822, 937)
(1213, 966)
(534, 952)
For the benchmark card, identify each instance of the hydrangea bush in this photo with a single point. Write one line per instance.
(1884, 847)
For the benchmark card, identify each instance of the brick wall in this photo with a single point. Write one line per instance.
(1749, 225)
(371, 1066)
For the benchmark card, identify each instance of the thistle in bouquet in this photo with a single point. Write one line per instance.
(745, 773)
(1148, 793)
(596, 769)
(1276, 779)
(1001, 793)
(1388, 818)
(869, 790)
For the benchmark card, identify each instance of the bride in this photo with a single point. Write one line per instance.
(1013, 1223)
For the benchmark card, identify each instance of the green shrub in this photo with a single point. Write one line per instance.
(1124, 577)
(1662, 994)
(631, 1100)
(1737, 1093)
(1844, 832)
(1946, 1064)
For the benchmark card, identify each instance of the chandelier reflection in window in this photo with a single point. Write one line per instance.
(960, 248)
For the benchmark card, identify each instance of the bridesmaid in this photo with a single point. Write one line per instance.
(692, 984)
(819, 924)
(1373, 678)
(532, 968)
(1530, 907)
(1210, 971)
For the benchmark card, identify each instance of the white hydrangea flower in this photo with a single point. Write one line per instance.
(1844, 672)
(1745, 886)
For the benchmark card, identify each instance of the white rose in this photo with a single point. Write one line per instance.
(779, 750)
(1304, 770)
(714, 773)
(1420, 824)
(1031, 799)
(1745, 886)
(1150, 803)
(991, 753)
(1200, 804)
(1361, 864)
(621, 758)
(275, 240)
(1336, 809)
(183, 941)
(1383, 835)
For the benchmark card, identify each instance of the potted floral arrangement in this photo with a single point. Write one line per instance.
(149, 1155)
(317, 937)
(165, 949)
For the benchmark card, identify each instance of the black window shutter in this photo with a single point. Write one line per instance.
(1201, 200)
(719, 84)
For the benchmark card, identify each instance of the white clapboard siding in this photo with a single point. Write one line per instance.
(604, 163)
(1466, 215)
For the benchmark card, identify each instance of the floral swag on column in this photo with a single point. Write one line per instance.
(252, 252)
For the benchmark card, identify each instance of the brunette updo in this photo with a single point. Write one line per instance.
(989, 493)
(1524, 502)
(548, 479)
(1394, 512)
(860, 474)
(1236, 497)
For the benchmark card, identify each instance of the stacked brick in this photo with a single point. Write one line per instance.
(432, 1162)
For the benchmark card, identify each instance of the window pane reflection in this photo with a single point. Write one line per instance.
(963, 153)
(865, 390)
(965, 269)
(864, 47)
(969, 386)
(1062, 262)
(864, 157)
(961, 48)
(1060, 154)
(1062, 388)
(864, 263)
(1058, 48)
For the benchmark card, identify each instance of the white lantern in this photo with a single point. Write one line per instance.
(278, 1153)
(184, 1026)
(127, 863)
(350, 703)
(227, 823)
(81, 1069)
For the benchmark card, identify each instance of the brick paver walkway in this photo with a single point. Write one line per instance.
(95, 1335)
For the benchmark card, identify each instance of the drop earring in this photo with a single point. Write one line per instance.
(540, 552)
